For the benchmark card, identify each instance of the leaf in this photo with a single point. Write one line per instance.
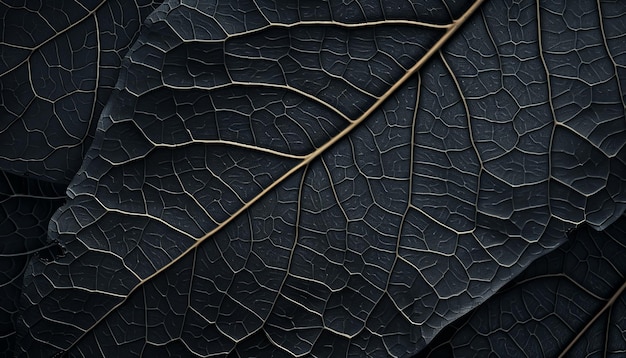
(26, 206)
(328, 180)
(567, 303)
(60, 61)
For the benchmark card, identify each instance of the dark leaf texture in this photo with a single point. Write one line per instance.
(568, 303)
(315, 178)
(26, 206)
(59, 63)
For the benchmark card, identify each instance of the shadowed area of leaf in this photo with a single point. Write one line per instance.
(26, 206)
(59, 61)
(567, 303)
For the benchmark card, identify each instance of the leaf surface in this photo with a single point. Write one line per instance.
(59, 63)
(568, 303)
(328, 180)
(26, 206)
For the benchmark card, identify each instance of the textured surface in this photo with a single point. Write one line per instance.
(26, 206)
(271, 179)
(541, 313)
(59, 63)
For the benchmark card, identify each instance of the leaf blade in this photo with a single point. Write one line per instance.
(387, 255)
